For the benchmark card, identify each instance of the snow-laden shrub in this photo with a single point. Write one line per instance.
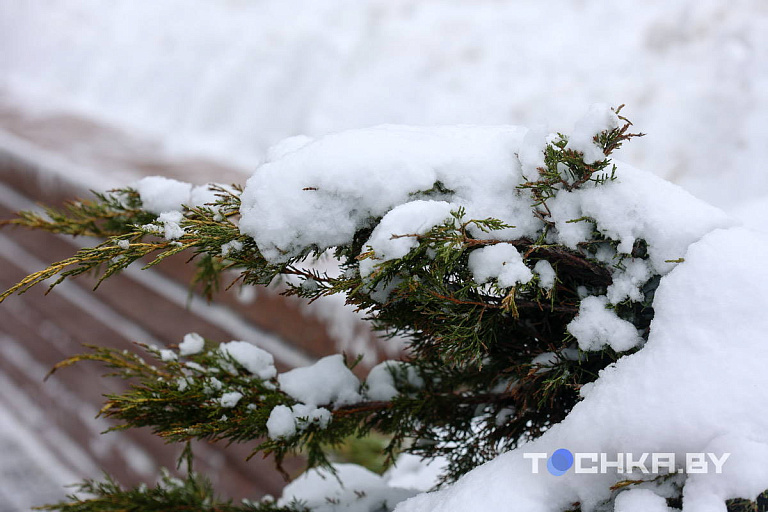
(552, 298)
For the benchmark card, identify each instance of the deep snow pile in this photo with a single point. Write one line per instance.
(235, 77)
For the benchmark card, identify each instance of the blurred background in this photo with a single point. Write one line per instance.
(98, 93)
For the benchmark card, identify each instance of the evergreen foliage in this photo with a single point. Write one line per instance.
(478, 389)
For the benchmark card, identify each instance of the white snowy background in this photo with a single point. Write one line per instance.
(229, 78)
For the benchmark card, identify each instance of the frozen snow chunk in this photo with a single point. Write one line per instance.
(546, 274)
(500, 261)
(325, 191)
(230, 399)
(596, 326)
(640, 500)
(257, 361)
(381, 382)
(353, 489)
(172, 229)
(598, 119)
(192, 344)
(160, 194)
(328, 381)
(414, 218)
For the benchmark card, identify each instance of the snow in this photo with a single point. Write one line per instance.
(637, 205)
(325, 191)
(531, 153)
(596, 326)
(380, 384)
(168, 355)
(411, 472)
(230, 399)
(285, 421)
(257, 361)
(414, 218)
(502, 262)
(170, 221)
(159, 194)
(543, 269)
(281, 423)
(692, 72)
(327, 382)
(192, 344)
(168, 197)
(627, 282)
(599, 118)
(233, 246)
(640, 500)
(667, 397)
(363, 490)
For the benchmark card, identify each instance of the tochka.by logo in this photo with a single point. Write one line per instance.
(563, 460)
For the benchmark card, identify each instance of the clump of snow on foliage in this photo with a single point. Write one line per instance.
(328, 189)
(628, 281)
(389, 239)
(159, 194)
(323, 191)
(328, 381)
(380, 384)
(171, 227)
(696, 386)
(546, 274)
(598, 119)
(233, 246)
(286, 421)
(596, 326)
(362, 490)
(192, 344)
(640, 500)
(257, 361)
(636, 205)
(502, 262)
(230, 399)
